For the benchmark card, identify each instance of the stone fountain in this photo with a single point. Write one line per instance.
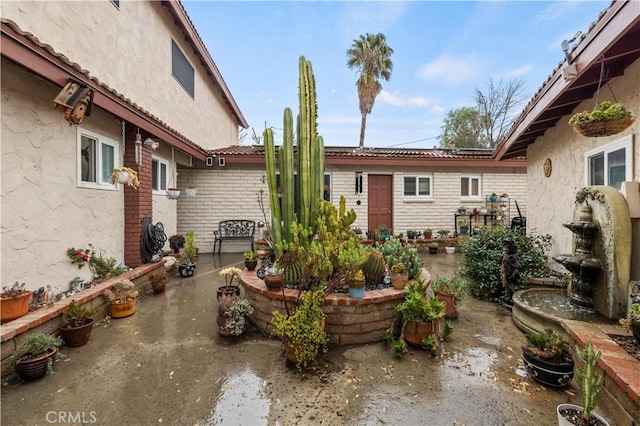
(600, 265)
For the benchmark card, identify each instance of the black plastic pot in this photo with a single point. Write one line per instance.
(557, 375)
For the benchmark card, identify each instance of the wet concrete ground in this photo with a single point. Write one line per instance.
(167, 365)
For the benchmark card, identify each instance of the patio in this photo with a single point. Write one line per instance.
(168, 364)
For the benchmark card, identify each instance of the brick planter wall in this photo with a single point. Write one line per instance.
(349, 321)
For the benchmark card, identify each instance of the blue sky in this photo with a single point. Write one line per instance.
(443, 51)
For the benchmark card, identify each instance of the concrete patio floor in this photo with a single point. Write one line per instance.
(167, 364)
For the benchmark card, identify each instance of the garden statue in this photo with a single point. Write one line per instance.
(509, 272)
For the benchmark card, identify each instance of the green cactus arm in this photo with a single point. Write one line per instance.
(270, 163)
(286, 174)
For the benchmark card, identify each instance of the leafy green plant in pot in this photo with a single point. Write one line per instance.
(451, 291)
(187, 266)
(604, 120)
(78, 324)
(590, 383)
(250, 260)
(547, 358)
(399, 275)
(423, 322)
(34, 357)
(233, 321)
(122, 297)
(302, 332)
(274, 277)
(433, 247)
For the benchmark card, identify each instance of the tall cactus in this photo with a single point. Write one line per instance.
(310, 149)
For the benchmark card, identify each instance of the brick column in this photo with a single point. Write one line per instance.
(137, 202)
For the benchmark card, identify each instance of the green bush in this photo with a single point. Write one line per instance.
(483, 252)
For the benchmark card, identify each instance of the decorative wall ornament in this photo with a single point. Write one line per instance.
(546, 167)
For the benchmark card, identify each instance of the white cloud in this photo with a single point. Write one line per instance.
(396, 99)
(516, 72)
(452, 70)
(554, 12)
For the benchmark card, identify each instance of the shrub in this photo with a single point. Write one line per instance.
(482, 256)
(394, 252)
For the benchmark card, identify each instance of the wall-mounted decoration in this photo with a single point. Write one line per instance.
(75, 99)
(546, 167)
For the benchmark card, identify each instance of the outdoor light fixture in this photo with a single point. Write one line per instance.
(138, 152)
(570, 71)
(358, 182)
(151, 143)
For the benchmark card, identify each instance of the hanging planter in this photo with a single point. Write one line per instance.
(191, 191)
(173, 193)
(605, 120)
(124, 175)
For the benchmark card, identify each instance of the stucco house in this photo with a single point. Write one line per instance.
(144, 75)
(401, 188)
(603, 65)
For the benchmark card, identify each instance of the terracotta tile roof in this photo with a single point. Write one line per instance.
(335, 151)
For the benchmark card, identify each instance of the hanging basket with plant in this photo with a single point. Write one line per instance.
(606, 119)
(124, 175)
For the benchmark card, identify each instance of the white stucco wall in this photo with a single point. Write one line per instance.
(129, 49)
(230, 193)
(551, 200)
(44, 212)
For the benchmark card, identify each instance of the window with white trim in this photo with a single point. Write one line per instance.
(182, 70)
(470, 187)
(610, 164)
(97, 156)
(417, 186)
(159, 174)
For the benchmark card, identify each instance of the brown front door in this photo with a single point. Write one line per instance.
(379, 198)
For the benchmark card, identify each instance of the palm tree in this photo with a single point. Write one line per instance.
(371, 56)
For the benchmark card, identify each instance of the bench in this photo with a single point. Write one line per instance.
(233, 230)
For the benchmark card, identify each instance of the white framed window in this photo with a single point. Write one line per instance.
(418, 186)
(182, 70)
(610, 164)
(470, 186)
(97, 156)
(159, 174)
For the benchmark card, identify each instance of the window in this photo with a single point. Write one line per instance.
(470, 187)
(97, 158)
(609, 164)
(182, 69)
(159, 174)
(417, 186)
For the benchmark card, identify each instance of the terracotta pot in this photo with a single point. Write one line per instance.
(35, 368)
(122, 310)
(159, 290)
(413, 332)
(14, 307)
(399, 280)
(450, 305)
(77, 336)
(273, 283)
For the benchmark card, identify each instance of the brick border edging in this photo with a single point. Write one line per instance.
(348, 320)
(34, 319)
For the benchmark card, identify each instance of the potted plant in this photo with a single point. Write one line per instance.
(176, 242)
(382, 232)
(158, 282)
(122, 297)
(422, 317)
(273, 277)
(433, 247)
(604, 120)
(356, 285)
(124, 175)
(233, 321)
(451, 291)
(78, 325)
(173, 193)
(412, 234)
(302, 332)
(428, 232)
(263, 251)
(250, 260)
(590, 382)
(14, 301)
(187, 265)
(443, 233)
(450, 247)
(191, 190)
(547, 358)
(35, 356)
(399, 275)
(464, 226)
(230, 290)
(493, 197)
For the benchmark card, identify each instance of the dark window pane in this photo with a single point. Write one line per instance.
(409, 186)
(617, 170)
(424, 188)
(154, 175)
(596, 170)
(182, 69)
(464, 187)
(475, 187)
(88, 148)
